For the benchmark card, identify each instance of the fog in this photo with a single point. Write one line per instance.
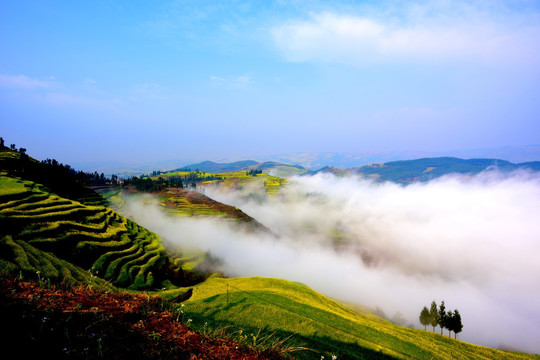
(473, 242)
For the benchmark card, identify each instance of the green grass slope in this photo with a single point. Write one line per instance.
(287, 309)
(44, 235)
(53, 176)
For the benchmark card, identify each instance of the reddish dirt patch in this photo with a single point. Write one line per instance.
(81, 323)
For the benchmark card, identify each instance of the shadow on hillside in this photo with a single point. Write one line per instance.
(316, 346)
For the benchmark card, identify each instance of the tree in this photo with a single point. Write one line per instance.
(425, 318)
(448, 321)
(434, 315)
(455, 323)
(442, 316)
(1, 142)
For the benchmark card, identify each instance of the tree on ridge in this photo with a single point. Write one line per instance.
(455, 323)
(442, 316)
(425, 318)
(434, 315)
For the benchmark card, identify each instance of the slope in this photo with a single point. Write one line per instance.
(327, 328)
(270, 167)
(64, 240)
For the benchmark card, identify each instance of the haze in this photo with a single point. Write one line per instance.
(472, 242)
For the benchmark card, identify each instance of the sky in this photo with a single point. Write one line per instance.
(146, 80)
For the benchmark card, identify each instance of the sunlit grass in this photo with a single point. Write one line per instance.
(36, 225)
(321, 323)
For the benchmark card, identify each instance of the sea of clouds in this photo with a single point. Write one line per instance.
(472, 241)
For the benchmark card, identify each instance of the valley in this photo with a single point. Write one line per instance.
(56, 243)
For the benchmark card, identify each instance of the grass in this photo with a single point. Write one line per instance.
(11, 187)
(56, 237)
(325, 326)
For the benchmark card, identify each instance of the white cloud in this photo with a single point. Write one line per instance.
(24, 82)
(433, 31)
(240, 81)
(470, 241)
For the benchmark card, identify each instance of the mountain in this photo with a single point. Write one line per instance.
(330, 170)
(213, 167)
(407, 171)
(347, 160)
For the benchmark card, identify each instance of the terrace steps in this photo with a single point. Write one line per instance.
(45, 233)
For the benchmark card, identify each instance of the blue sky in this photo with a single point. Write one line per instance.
(152, 80)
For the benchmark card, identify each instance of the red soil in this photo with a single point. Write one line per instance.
(78, 323)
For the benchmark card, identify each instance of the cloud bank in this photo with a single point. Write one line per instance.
(477, 32)
(470, 241)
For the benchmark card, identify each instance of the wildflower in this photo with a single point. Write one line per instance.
(334, 357)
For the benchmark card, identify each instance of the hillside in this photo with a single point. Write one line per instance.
(41, 320)
(65, 240)
(425, 169)
(270, 167)
(184, 203)
(326, 327)
(55, 177)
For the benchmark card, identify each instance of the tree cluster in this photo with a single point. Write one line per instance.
(438, 316)
(59, 178)
(254, 172)
(149, 185)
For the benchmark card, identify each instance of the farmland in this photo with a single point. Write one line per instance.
(65, 240)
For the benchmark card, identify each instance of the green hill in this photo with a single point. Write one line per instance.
(270, 167)
(65, 240)
(260, 307)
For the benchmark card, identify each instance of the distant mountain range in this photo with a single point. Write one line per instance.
(315, 161)
(403, 171)
(407, 171)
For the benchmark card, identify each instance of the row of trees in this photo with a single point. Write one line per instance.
(149, 185)
(438, 316)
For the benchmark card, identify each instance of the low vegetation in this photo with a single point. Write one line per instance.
(65, 240)
(324, 326)
(41, 320)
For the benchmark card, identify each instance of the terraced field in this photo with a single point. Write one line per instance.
(237, 179)
(44, 235)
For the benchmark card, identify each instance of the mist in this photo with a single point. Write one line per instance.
(470, 241)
